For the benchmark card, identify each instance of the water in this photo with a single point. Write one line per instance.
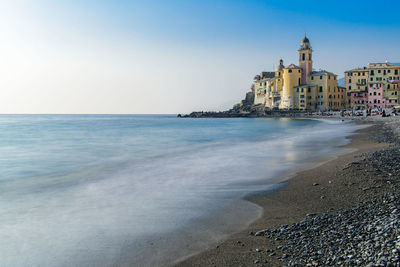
(102, 190)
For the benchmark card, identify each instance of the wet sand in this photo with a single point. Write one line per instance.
(339, 186)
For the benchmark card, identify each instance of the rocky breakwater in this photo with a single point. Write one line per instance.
(368, 234)
(244, 109)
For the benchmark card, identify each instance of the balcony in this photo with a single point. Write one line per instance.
(393, 81)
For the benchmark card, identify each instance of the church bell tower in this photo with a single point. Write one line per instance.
(305, 59)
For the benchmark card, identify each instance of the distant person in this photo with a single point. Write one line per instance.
(383, 114)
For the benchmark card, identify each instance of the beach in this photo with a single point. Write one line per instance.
(350, 181)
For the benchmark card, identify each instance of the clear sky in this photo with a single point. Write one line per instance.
(174, 56)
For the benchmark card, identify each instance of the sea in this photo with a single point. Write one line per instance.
(143, 190)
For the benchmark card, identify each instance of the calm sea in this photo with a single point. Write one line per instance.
(104, 190)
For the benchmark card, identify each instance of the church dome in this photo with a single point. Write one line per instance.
(305, 43)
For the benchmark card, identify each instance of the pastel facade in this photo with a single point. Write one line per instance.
(291, 78)
(356, 84)
(262, 84)
(388, 74)
(376, 98)
(358, 99)
(299, 87)
(365, 84)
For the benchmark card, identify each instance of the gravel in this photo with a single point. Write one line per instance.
(367, 234)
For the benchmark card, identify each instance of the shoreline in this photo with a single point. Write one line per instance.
(316, 190)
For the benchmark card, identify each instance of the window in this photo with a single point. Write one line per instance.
(379, 71)
(312, 77)
(320, 89)
(372, 72)
(320, 77)
(388, 71)
(299, 81)
(384, 72)
(302, 90)
(297, 90)
(396, 72)
(350, 87)
(374, 93)
(303, 56)
(309, 89)
(290, 71)
(372, 79)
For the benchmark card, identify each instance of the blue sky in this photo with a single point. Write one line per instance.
(174, 56)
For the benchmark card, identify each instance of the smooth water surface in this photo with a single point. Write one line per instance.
(103, 190)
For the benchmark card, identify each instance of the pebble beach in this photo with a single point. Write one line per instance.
(342, 213)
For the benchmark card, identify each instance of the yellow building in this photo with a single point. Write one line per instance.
(299, 87)
(356, 79)
(290, 79)
(321, 93)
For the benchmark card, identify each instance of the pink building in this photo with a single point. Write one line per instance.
(376, 97)
(358, 99)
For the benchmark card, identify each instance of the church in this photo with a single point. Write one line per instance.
(299, 87)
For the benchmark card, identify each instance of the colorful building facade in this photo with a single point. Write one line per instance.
(376, 98)
(300, 87)
(373, 87)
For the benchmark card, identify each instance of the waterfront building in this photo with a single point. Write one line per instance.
(388, 74)
(343, 97)
(357, 87)
(375, 86)
(299, 87)
(358, 99)
(261, 83)
(376, 98)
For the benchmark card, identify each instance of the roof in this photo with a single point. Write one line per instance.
(322, 72)
(305, 40)
(357, 69)
(267, 74)
(383, 65)
(292, 66)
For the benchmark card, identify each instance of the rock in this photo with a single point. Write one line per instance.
(315, 184)
(260, 233)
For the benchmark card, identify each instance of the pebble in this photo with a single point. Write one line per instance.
(365, 235)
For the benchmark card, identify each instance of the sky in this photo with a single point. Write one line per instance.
(177, 56)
